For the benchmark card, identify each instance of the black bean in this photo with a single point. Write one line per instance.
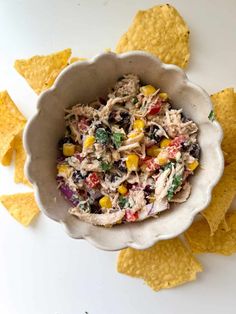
(195, 150)
(77, 176)
(95, 208)
(120, 165)
(153, 133)
(125, 120)
(184, 146)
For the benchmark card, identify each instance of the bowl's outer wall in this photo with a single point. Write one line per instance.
(83, 82)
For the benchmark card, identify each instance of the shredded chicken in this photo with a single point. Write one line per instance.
(126, 157)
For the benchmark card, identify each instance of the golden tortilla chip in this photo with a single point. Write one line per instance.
(222, 197)
(20, 161)
(11, 123)
(222, 242)
(160, 30)
(41, 71)
(75, 59)
(165, 265)
(21, 206)
(6, 161)
(225, 110)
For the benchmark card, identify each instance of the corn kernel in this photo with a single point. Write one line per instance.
(132, 162)
(153, 151)
(63, 169)
(134, 133)
(162, 161)
(163, 96)
(105, 202)
(165, 142)
(192, 165)
(68, 149)
(122, 189)
(138, 124)
(147, 90)
(89, 141)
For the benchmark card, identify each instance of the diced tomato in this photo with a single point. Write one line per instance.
(129, 216)
(92, 180)
(177, 141)
(83, 125)
(172, 151)
(155, 108)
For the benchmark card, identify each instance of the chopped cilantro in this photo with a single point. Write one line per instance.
(177, 181)
(211, 116)
(168, 166)
(101, 136)
(106, 166)
(117, 139)
(122, 201)
(134, 100)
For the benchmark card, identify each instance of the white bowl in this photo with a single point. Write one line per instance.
(83, 82)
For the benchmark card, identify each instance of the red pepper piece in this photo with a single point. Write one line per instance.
(92, 180)
(129, 216)
(155, 108)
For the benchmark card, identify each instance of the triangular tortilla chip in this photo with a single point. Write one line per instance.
(222, 197)
(159, 30)
(165, 265)
(20, 158)
(11, 123)
(222, 242)
(224, 104)
(21, 206)
(41, 71)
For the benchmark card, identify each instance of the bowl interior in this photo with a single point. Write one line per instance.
(83, 82)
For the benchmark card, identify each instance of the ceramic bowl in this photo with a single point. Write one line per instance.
(83, 82)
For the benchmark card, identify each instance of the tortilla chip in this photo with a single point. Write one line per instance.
(224, 104)
(20, 161)
(222, 242)
(21, 206)
(11, 123)
(7, 159)
(165, 265)
(160, 30)
(75, 59)
(222, 197)
(41, 71)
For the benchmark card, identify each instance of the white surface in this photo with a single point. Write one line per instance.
(41, 270)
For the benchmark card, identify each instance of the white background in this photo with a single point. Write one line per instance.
(42, 271)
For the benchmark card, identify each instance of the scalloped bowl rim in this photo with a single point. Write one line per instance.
(134, 243)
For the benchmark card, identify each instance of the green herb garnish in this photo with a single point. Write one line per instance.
(122, 201)
(168, 166)
(177, 181)
(117, 139)
(106, 166)
(101, 136)
(211, 116)
(134, 100)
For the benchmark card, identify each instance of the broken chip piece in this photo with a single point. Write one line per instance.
(11, 123)
(222, 197)
(165, 265)
(41, 71)
(222, 242)
(159, 30)
(21, 206)
(225, 110)
(20, 158)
